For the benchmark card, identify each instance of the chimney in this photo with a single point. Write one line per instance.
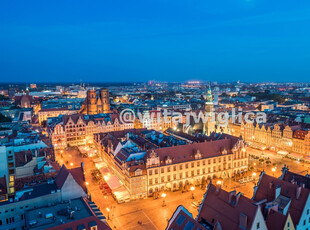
(243, 221)
(277, 191)
(231, 194)
(238, 197)
(271, 206)
(298, 191)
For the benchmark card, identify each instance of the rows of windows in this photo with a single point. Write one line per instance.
(194, 164)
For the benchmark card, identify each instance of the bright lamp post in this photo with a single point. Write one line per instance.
(108, 210)
(193, 189)
(163, 196)
(273, 171)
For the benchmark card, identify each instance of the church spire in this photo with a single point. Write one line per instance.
(209, 95)
(209, 100)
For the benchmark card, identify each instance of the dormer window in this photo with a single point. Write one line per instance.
(224, 151)
(198, 154)
(138, 172)
(168, 160)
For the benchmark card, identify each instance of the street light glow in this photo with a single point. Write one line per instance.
(163, 195)
(192, 188)
(219, 182)
(108, 210)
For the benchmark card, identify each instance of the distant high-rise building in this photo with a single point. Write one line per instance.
(94, 103)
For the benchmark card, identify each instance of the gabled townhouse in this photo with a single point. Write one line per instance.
(288, 198)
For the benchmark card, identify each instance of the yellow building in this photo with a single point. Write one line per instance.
(44, 114)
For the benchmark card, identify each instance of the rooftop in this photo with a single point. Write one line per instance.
(60, 214)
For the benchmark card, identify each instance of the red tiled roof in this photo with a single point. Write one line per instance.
(182, 153)
(266, 190)
(33, 180)
(23, 157)
(275, 220)
(181, 219)
(300, 134)
(216, 208)
(74, 225)
(297, 179)
(19, 98)
(74, 117)
(61, 177)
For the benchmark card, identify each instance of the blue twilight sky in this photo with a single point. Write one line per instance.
(116, 41)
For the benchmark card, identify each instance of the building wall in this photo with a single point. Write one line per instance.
(289, 224)
(275, 139)
(259, 221)
(17, 210)
(71, 189)
(82, 132)
(3, 162)
(27, 169)
(175, 176)
(44, 115)
(304, 221)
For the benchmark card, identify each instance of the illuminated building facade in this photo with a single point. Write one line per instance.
(274, 136)
(145, 168)
(79, 129)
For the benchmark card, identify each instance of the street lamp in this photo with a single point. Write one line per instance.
(253, 175)
(193, 189)
(219, 182)
(273, 170)
(163, 196)
(108, 210)
(71, 164)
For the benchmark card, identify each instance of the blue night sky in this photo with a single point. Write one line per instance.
(116, 41)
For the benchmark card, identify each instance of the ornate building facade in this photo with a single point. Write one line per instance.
(274, 136)
(79, 129)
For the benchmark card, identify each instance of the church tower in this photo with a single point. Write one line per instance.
(94, 103)
(105, 100)
(209, 126)
(209, 101)
(91, 102)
